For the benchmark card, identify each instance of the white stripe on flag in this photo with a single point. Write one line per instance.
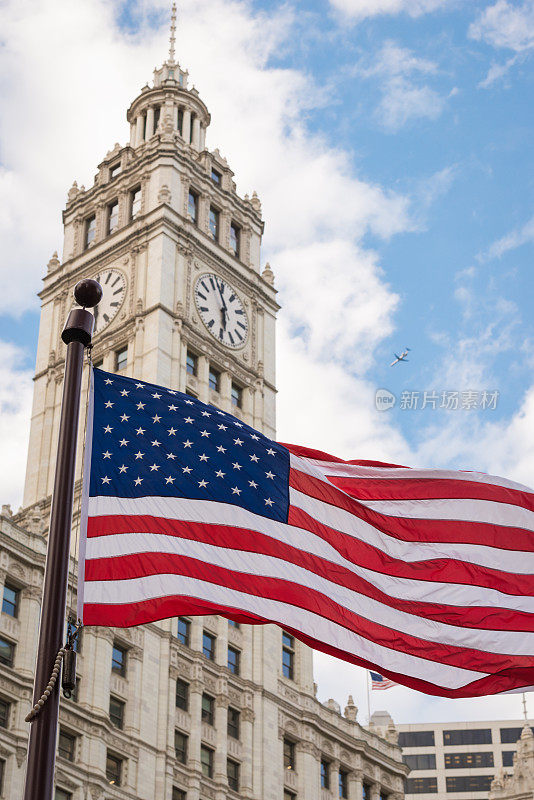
(137, 590)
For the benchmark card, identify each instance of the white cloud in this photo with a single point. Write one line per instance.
(360, 9)
(496, 72)
(404, 98)
(504, 24)
(16, 389)
(511, 241)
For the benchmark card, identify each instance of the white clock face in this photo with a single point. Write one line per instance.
(221, 310)
(113, 285)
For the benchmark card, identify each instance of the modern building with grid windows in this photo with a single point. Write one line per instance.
(190, 708)
(455, 760)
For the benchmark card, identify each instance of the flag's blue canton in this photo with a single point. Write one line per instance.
(148, 440)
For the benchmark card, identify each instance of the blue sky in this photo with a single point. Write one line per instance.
(390, 143)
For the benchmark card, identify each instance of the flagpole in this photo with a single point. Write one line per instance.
(77, 336)
(368, 698)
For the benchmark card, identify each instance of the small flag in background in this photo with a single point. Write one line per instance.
(379, 682)
(423, 575)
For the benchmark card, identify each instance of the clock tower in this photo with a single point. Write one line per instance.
(187, 708)
(177, 252)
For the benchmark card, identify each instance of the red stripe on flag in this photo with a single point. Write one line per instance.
(142, 564)
(482, 617)
(416, 530)
(131, 614)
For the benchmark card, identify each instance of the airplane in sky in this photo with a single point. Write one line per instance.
(402, 357)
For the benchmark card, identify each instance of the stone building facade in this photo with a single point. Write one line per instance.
(195, 708)
(519, 785)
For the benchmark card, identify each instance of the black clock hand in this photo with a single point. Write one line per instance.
(223, 308)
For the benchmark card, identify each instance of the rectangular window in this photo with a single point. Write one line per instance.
(232, 771)
(135, 202)
(289, 754)
(235, 236)
(234, 719)
(288, 655)
(469, 783)
(157, 114)
(180, 747)
(114, 171)
(180, 119)
(184, 631)
(121, 359)
(214, 223)
(467, 736)
(421, 785)
(4, 713)
(7, 652)
(59, 794)
(508, 758)
(234, 659)
(206, 761)
(214, 379)
(343, 783)
(10, 601)
(113, 769)
(233, 624)
(76, 692)
(237, 396)
(511, 735)
(90, 230)
(421, 761)
(191, 363)
(182, 695)
(467, 760)
(118, 660)
(65, 745)
(192, 207)
(325, 774)
(208, 709)
(178, 794)
(116, 712)
(113, 216)
(289, 795)
(366, 791)
(208, 645)
(216, 176)
(383, 796)
(416, 739)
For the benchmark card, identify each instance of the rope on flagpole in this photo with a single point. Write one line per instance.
(36, 710)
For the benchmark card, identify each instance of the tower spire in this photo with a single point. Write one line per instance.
(173, 34)
(525, 708)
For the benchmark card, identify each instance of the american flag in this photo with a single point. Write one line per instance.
(423, 575)
(379, 682)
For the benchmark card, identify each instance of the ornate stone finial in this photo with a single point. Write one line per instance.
(256, 202)
(391, 733)
(73, 191)
(54, 262)
(333, 705)
(351, 710)
(268, 274)
(6, 510)
(173, 34)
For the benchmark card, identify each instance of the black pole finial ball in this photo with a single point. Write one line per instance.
(88, 293)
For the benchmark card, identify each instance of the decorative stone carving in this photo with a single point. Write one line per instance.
(268, 274)
(255, 202)
(20, 755)
(164, 194)
(54, 262)
(351, 710)
(73, 192)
